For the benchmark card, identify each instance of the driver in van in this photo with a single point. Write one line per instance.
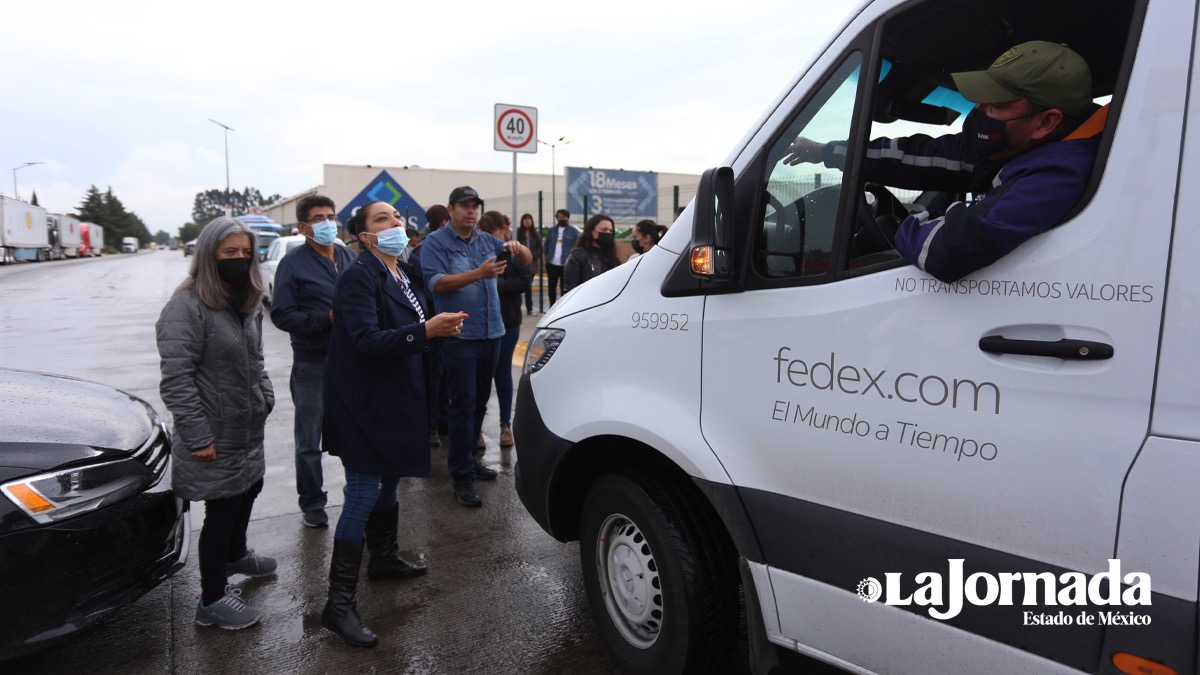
(1025, 152)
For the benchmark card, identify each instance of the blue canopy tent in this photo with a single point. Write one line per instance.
(260, 222)
(265, 230)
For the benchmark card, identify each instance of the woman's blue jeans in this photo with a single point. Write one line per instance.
(364, 493)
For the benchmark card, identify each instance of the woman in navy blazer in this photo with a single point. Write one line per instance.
(375, 410)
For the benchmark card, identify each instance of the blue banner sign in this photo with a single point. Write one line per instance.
(385, 188)
(625, 196)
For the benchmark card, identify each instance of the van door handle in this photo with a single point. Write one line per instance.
(1074, 350)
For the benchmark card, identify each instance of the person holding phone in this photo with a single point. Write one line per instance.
(460, 265)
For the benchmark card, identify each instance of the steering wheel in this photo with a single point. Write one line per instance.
(877, 225)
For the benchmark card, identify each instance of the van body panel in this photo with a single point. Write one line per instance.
(663, 382)
(1176, 404)
(587, 296)
(1160, 521)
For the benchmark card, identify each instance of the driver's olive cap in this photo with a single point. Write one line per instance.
(1048, 74)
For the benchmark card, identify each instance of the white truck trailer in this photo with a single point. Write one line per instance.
(24, 235)
(69, 237)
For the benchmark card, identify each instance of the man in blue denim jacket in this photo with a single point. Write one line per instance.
(459, 263)
(303, 306)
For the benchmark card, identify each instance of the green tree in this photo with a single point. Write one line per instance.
(162, 238)
(33, 201)
(211, 203)
(105, 209)
(189, 231)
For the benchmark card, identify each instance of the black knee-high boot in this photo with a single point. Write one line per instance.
(386, 562)
(341, 612)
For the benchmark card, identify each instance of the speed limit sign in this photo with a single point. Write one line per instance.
(516, 128)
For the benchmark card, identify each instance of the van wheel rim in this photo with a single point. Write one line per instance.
(630, 581)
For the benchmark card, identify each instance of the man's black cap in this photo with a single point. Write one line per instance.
(464, 194)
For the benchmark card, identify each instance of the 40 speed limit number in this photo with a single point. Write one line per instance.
(516, 128)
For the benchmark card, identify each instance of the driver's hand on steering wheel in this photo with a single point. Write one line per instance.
(804, 151)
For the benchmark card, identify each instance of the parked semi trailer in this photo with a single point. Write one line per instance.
(92, 239)
(24, 235)
(65, 236)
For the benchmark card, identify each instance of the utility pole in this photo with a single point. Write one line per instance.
(17, 195)
(228, 199)
(553, 176)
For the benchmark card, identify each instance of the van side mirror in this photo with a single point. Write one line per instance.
(712, 227)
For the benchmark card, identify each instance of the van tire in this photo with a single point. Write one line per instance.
(672, 614)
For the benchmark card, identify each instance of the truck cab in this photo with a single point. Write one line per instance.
(772, 410)
(129, 245)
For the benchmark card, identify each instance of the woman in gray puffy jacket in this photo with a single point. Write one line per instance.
(214, 384)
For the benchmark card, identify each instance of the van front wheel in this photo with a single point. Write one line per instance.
(659, 605)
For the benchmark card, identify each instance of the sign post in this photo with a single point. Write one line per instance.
(515, 131)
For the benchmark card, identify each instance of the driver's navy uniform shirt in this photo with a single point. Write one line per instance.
(1032, 193)
(445, 252)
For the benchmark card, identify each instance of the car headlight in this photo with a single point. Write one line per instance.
(52, 497)
(541, 347)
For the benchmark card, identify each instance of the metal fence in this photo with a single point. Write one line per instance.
(541, 205)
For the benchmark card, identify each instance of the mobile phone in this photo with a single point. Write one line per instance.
(503, 256)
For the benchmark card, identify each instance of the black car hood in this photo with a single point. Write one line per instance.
(50, 420)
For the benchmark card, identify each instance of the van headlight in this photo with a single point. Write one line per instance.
(52, 497)
(541, 347)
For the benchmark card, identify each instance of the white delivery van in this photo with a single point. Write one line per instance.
(994, 475)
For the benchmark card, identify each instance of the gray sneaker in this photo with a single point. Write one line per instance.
(229, 612)
(316, 518)
(252, 565)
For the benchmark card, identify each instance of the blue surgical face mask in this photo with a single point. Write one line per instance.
(391, 241)
(324, 232)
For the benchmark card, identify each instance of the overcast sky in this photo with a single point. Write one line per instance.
(120, 93)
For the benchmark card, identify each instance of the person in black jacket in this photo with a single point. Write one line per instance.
(528, 234)
(375, 409)
(303, 306)
(594, 253)
(512, 284)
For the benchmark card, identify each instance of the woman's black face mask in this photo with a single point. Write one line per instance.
(234, 271)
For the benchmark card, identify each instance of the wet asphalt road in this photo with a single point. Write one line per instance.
(501, 596)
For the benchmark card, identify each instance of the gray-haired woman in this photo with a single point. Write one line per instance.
(214, 384)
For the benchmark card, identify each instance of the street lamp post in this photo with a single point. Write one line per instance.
(228, 200)
(17, 195)
(553, 176)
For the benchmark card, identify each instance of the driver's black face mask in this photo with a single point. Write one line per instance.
(983, 137)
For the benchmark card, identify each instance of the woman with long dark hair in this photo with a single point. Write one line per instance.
(376, 418)
(528, 234)
(594, 254)
(213, 381)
